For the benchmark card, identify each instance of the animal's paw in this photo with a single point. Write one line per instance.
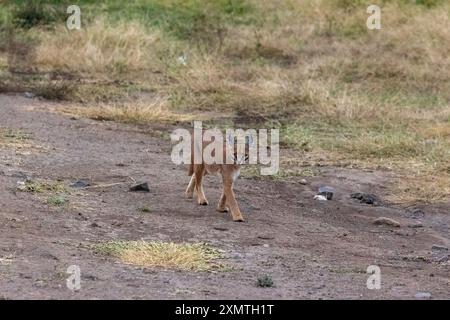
(238, 219)
(225, 209)
(203, 202)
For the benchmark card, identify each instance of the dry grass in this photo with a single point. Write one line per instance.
(180, 256)
(44, 186)
(426, 189)
(98, 50)
(155, 110)
(18, 140)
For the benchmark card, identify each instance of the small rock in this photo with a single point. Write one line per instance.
(366, 198)
(442, 259)
(29, 95)
(303, 181)
(320, 198)
(327, 192)
(142, 187)
(266, 237)
(80, 184)
(437, 247)
(21, 175)
(422, 295)
(415, 213)
(265, 282)
(387, 221)
(265, 245)
(220, 229)
(95, 225)
(418, 224)
(90, 277)
(21, 185)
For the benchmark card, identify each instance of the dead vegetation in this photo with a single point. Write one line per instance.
(155, 254)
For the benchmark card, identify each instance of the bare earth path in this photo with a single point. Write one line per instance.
(311, 249)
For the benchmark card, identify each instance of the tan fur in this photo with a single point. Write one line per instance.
(228, 172)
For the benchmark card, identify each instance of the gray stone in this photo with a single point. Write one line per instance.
(327, 192)
(422, 295)
(142, 187)
(437, 247)
(387, 222)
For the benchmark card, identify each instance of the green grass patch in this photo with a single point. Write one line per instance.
(57, 200)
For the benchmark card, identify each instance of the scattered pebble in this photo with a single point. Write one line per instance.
(29, 95)
(265, 282)
(442, 259)
(387, 221)
(320, 198)
(422, 295)
(142, 187)
(21, 175)
(266, 237)
(80, 184)
(21, 185)
(366, 198)
(415, 213)
(220, 228)
(327, 192)
(437, 247)
(418, 224)
(303, 181)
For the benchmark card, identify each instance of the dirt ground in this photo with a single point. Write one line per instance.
(311, 249)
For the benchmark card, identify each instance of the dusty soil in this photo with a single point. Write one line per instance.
(311, 249)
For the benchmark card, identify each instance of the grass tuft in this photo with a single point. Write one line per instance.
(166, 255)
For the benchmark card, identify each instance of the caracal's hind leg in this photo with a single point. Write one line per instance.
(199, 172)
(222, 205)
(190, 187)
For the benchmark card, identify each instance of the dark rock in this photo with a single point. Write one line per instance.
(266, 237)
(21, 175)
(387, 221)
(366, 198)
(422, 295)
(142, 187)
(327, 192)
(437, 247)
(416, 225)
(90, 277)
(415, 213)
(442, 258)
(265, 282)
(80, 184)
(220, 229)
